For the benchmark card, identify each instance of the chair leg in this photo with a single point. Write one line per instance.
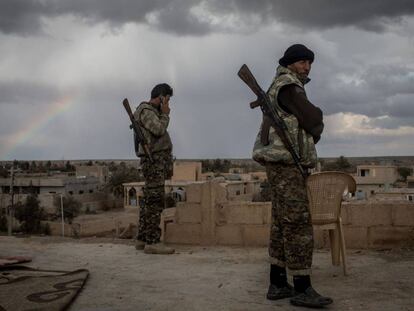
(333, 239)
(342, 242)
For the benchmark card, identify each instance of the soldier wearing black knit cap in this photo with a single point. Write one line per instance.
(291, 235)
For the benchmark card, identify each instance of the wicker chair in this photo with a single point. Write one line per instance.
(325, 192)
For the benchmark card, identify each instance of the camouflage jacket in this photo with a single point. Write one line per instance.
(154, 126)
(303, 142)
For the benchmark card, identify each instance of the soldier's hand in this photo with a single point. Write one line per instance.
(165, 106)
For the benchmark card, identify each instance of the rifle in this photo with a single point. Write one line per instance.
(268, 110)
(137, 130)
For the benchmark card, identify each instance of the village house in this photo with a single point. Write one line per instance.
(410, 181)
(395, 194)
(187, 171)
(373, 178)
(101, 172)
(85, 187)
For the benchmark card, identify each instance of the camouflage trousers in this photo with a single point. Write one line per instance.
(291, 234)
(153, 203)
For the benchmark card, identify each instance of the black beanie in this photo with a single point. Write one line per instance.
(296, 53)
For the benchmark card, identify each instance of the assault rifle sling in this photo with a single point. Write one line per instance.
(137, 130)
(269, 111)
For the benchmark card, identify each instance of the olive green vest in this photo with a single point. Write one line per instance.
(303, 142)
(156, 143)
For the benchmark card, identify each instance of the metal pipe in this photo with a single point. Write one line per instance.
(63, 219)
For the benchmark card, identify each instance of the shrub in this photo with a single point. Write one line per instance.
(71, 208)
(46, 229)
(3, 222)
(30, 213)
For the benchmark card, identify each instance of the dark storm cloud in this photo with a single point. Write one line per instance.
(402, 107)
(365, 14)
(382, 90)
(27, 93)
(20, 16)
(356, 72)
(185, 17)
(25, 16)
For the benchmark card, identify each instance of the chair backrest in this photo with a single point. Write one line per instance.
(325, 192)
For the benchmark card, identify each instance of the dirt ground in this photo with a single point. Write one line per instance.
(213, 278)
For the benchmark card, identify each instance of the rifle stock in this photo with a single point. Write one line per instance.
(127, 107)
(246, 75)
(137, 129)
(278, 123)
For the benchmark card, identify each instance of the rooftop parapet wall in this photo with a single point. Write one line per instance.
(94, 225)
(209, 219)
(377, 224)
(89, 201)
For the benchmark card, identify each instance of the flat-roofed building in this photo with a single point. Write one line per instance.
(99, 171)
(373, 178)
(187, 171)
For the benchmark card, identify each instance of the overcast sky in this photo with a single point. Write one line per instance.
(66, 65)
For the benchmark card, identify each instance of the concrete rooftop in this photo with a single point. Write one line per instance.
(213, 278)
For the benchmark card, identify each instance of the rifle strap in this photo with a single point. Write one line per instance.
(138, 120)
(282, 135)
(264, 132)
(137, 140)
(267, 123)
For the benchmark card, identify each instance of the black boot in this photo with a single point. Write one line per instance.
(306, 296)
(279, 287)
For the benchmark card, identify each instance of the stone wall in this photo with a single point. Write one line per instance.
(89, 201)
(377, 224)
(207, 218)
(95, 225)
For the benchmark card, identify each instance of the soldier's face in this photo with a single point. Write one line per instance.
(301, 67)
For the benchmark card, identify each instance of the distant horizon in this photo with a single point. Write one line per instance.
(189, 159)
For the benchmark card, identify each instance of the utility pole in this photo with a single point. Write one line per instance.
(10, 209)
(63, 218)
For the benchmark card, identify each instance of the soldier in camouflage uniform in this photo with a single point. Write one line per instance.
(153, 118)
(291, 236)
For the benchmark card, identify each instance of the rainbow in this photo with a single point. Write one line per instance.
(36, 123)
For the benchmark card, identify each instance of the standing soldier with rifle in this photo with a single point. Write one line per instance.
(285, 145)
(154, 147)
